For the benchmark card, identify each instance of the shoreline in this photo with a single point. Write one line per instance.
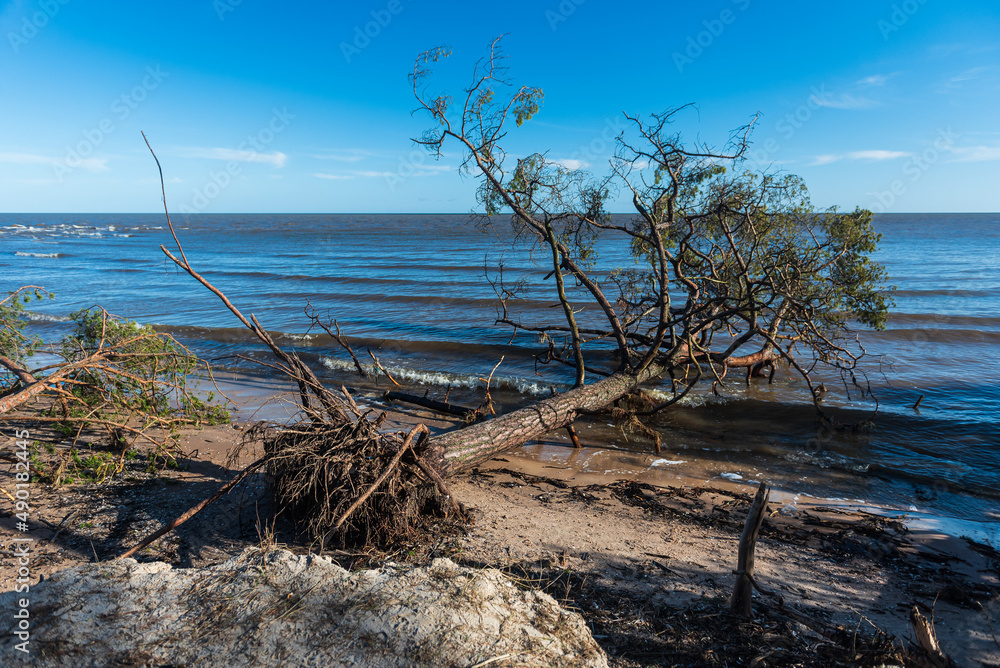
(602, 463)
(651, 547)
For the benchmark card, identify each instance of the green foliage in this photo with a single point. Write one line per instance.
(74, 466)
(527, 103)
(123, 380)
(732, 269)
(14, 343)
(142, 375)
(142, 369)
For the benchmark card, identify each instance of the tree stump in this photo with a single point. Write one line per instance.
(740, 604)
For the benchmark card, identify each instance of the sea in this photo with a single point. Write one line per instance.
(420, 292)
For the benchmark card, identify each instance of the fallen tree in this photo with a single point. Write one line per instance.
(109, 378)
(733, 270)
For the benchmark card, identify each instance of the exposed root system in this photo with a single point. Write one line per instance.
(344, 482)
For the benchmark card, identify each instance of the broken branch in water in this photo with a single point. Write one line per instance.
(381, 368)
(432, 404)
(338, 337)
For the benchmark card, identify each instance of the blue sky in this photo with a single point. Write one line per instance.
(257, 106)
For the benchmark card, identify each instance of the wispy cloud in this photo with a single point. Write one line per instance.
(878, 155)
(26, 159)
(844, 101)
(825, 159)
(91, 164)
(957, 81)
(276, 158)
(872, 155)
(571, 163)
(876, 80)
(976, 153)
(344, 155)
(435, 167)
(418, 170)
(374, 175)
(333, 177)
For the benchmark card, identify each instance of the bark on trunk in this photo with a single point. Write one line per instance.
(463, 449)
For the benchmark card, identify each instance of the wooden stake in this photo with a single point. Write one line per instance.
(927, 639)
(572, 436)
(741, 602)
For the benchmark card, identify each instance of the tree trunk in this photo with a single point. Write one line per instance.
(463, 449)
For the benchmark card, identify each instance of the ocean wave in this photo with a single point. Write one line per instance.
(46, 317)
(928, 321)
(46, 255)
(694, 399)
(524, 386)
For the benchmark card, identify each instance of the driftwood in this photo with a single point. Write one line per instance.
(741, 602)
(439, 406)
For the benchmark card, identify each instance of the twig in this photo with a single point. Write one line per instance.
(382, 368)
(488, 403)
(483, 664)
(59, 528)
(572, 436)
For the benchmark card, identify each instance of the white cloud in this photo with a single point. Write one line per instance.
(874, 80)
(878, 155)
(276, 158)
(436, 168)
(870, 155)
(845, 101)
(968, 75)
(333, 177)
(374, 175)
(26, 159)
(344, 155)
(572, 163)
(956, 82)
(976, 153)
(825, 159)
(90, 164)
